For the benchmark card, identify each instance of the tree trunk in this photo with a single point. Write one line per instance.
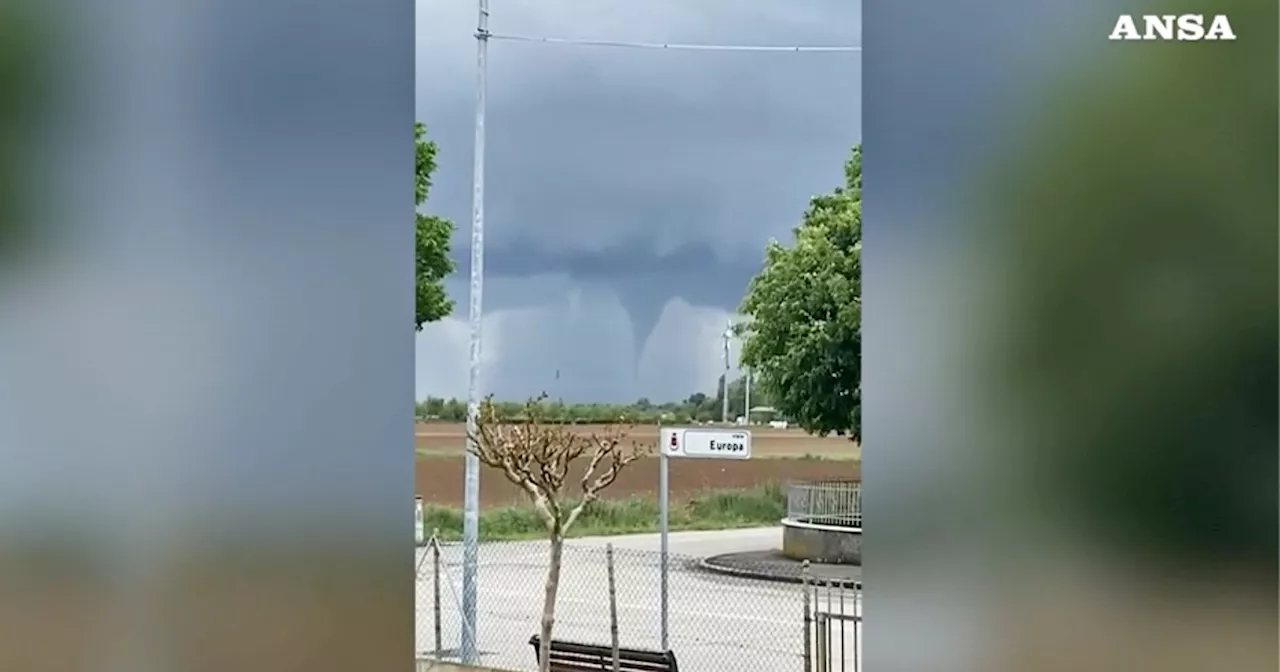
(549, 602)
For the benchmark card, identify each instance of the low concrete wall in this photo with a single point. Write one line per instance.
(821, 543)
(430, 665)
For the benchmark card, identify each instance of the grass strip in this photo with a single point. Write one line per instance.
(711, 510)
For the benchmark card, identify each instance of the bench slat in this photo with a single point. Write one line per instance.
(578, 657)
(593, 649)
(594, 667)
(606, 662)
(607, 655)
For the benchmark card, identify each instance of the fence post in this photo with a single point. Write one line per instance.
(808, 619)
(843, 620)
(857, 626)
(435, 579)
(828, 640)
(613, 607)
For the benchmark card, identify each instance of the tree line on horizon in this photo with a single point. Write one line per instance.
(697, 407)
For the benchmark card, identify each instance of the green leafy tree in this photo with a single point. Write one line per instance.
(432, 235)
(804, 333)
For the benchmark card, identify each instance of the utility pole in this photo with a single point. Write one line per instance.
(471, 477)
(724, 385)
(746, 401)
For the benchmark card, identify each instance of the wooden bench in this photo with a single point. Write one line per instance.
(575, 657)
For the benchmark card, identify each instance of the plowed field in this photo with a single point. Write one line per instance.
(778, 456)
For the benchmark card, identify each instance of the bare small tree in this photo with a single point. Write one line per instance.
(543, 458)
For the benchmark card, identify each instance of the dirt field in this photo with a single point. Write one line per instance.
(778, 455)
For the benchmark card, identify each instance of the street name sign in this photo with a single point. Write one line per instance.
(706, 443)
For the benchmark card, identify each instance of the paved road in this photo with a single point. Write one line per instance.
(716, 623)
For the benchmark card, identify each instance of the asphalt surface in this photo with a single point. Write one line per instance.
(717, 623)
(772, 565)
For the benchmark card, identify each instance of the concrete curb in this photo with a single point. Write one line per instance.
(707, 565)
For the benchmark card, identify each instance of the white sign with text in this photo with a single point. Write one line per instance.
(706, 443)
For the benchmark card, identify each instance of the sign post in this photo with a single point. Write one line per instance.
(705, 443)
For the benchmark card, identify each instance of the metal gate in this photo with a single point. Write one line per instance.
(832, 627)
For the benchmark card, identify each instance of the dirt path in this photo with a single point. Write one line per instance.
(439, 479)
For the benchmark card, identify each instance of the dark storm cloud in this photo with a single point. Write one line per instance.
(644, 281)
(648, 176)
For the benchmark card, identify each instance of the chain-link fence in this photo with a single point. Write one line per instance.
(716, 622)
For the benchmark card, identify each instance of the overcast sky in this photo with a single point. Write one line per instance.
(629, 192)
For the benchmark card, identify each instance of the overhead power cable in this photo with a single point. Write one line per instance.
(671, 45)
